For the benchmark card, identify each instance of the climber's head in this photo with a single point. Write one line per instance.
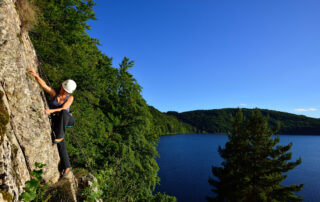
(68, 86)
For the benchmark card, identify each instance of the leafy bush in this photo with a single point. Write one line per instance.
(34, 190)
(93, 191)
(115, 184)
(160, 197)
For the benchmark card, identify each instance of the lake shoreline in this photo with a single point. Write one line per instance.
(226, 134)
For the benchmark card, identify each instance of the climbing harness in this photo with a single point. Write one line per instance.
(43, 75)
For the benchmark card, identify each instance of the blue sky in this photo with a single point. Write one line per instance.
(208, 54)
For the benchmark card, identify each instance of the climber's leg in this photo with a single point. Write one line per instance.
(64, 154)
(63, 119)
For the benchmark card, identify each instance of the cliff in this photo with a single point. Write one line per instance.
(28, 133)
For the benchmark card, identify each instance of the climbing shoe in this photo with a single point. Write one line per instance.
(56, 141)
(67, 174)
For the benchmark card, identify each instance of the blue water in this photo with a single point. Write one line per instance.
(185, 164)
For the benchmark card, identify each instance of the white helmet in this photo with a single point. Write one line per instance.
(69, 85)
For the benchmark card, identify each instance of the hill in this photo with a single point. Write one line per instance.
(168, 124)
(219, 120)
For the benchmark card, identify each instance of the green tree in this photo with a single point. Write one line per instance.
(253, 164)
(218, 120)
(113, 122)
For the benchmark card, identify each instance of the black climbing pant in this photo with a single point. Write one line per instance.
(64, 154)
(60, 121)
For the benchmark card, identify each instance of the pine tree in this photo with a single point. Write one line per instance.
(253, 164)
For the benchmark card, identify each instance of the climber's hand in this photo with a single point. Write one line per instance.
(47, 111)
(33, 72)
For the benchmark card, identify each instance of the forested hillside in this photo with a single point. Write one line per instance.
(166, 124)
(113, 122)
(219, 120)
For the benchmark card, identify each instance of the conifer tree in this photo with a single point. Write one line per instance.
(254, 164)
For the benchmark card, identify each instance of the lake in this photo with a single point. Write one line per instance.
(185, 164)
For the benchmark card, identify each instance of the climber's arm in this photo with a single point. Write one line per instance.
(65, 106)
(42, 83)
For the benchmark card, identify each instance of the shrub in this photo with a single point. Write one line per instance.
(34, 190)
(28, 14)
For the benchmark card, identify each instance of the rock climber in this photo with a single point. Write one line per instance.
(59, 110)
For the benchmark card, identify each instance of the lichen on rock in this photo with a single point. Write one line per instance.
(5, 196)
(4, 118)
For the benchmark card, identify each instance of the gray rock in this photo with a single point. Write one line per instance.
(28, 136)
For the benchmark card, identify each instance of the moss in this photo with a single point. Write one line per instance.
(82, 183)
(14, 172)
(14, 151)
(28, 74)
(4, 118)
(6, 196)
(60, 191)
(80, 172)
(20, 37)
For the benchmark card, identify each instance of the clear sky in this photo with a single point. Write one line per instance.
(208, 54)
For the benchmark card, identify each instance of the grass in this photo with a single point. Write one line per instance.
(28, 14)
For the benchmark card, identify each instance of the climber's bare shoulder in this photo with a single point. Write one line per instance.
(68, 103)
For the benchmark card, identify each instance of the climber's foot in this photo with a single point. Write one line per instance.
(56, 141)
(67, 172)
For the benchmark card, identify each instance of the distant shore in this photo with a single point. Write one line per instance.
(226, 134)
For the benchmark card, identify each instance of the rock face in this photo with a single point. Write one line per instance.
(28, 136)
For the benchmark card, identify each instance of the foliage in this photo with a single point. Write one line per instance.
(218, 120)
(253, 164)
(116, 186)
(160, 197)
(113, 120)
(168, 124)
(34, 190)
(6, 195)
(92, 192)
